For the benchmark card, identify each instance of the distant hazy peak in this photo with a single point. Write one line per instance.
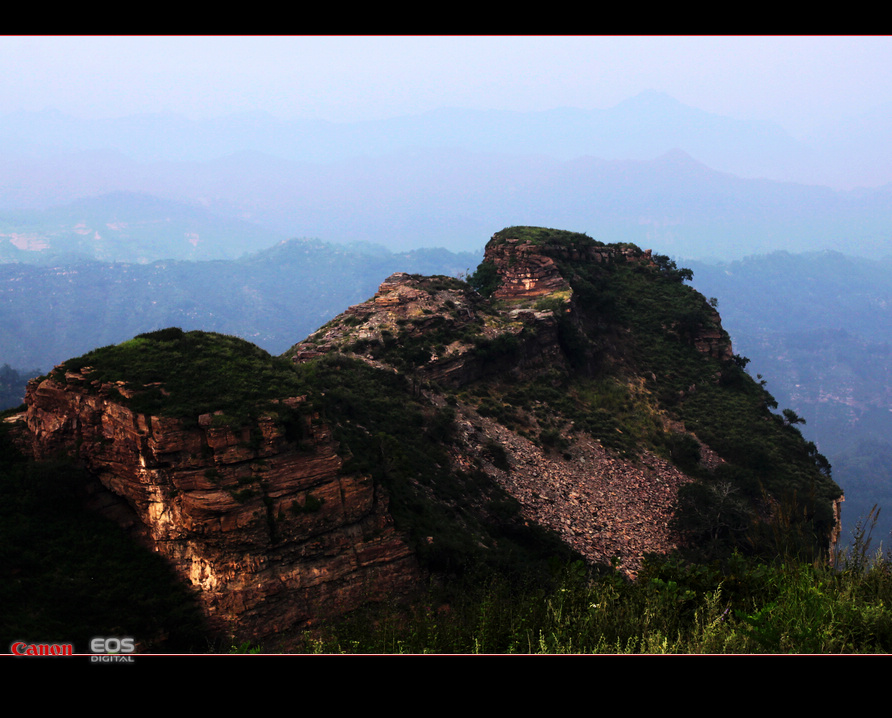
(651, 99)
(678, 156)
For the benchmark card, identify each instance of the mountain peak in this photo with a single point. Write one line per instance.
(679, 156)
(651, 100)
(571, 399)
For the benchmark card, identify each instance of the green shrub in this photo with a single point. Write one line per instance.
(485, 279)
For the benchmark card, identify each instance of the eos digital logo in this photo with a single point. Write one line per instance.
(110, 650)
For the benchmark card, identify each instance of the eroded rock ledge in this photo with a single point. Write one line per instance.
(272, 535)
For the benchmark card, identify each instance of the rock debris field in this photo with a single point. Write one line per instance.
(603, 506)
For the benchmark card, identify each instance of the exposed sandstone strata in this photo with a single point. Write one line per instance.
(602, 505)
(528, 270)
(272, 536)
(712, 340)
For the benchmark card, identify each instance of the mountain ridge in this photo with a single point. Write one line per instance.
(573, 398)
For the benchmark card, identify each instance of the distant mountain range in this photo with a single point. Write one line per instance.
(650, 171)
(641, 127)
(272, 298)
(224, 208)
(126, 227)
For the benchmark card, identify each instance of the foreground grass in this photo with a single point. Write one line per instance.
(742, 606)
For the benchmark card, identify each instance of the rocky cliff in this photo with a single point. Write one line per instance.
(571, 398)
(271, 533)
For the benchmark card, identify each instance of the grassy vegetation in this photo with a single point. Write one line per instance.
(543, 235)
(633, 369)
(185, 374)
(741, 605)
(635, 335)
(58, 585)
(605, 408)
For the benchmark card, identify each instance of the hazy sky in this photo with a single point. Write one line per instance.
(802, 83)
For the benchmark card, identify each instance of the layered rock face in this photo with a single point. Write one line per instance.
(528, 270)
(525, 270)
(271, 535)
